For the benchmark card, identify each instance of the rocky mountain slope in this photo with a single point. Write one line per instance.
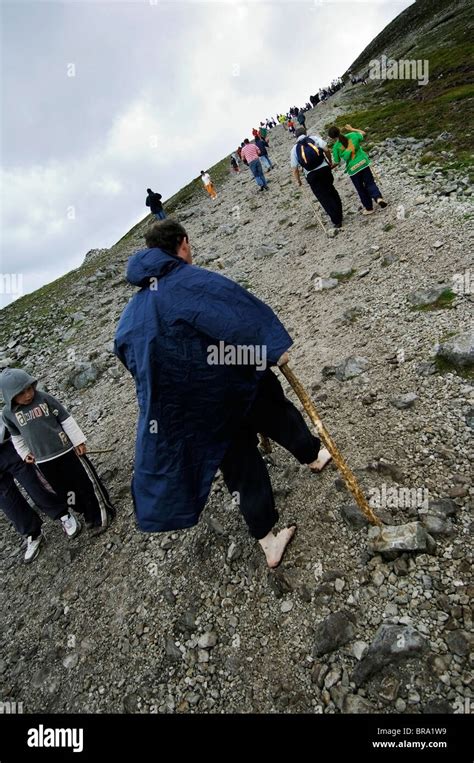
(381, 317)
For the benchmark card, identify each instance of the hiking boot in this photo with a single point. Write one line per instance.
(33, 548)
(71, 526)
(382, 203)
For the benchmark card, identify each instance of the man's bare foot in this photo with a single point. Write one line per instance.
(274, 545)
(323, 458)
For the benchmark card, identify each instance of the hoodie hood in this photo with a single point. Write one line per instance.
(13, 381)
(151, 263)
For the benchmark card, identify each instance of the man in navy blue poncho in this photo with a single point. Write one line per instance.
(199, 347)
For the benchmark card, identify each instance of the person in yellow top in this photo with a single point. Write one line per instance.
(348, 147)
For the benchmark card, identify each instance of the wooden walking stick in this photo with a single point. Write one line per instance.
(348, 476)
(313, 207)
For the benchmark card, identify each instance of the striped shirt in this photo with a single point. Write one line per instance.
(250, 152)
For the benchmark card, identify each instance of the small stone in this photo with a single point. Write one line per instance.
(438, 244)
(286, 606)
(358, 649)
(208, 640)
(353, 704)
(71, 660)
(332, 678)
(339, 585)
(321, 284)
(404, 401)
(388, 689)
(351, 367)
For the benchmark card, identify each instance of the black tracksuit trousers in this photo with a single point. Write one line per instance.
(243, 468)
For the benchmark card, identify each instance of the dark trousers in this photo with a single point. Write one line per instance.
(243, 468)
(70, 480)
(366, 187)
(24, 518)
(321, 183)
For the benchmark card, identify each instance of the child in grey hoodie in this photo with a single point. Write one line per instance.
(44, 433)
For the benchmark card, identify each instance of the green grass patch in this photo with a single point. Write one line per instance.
(444, 366)
(444, 301)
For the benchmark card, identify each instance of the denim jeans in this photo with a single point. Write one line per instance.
(257, 172)
(160, 215)
(266, 162)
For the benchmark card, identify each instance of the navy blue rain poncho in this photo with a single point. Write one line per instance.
(189, 409)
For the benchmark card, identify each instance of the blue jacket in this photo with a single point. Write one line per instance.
(189, 409)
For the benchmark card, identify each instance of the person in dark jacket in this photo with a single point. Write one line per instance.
(200, 347)
(262, 146)
(153, 200)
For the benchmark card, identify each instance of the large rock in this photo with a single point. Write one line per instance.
(436, 525)
(83, 374)
(351, 367)
(353, 516)
(459, 351)
(398, 538)
(333, 632)
(426, 297)
(391, 645)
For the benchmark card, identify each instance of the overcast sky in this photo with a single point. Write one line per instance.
(101, 100)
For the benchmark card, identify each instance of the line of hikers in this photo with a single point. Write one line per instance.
(312, 156)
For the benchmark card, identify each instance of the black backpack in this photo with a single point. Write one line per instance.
(309, 155)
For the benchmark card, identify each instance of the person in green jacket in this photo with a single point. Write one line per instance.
(348, 147)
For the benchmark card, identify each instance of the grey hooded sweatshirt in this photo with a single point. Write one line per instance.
(44, 427)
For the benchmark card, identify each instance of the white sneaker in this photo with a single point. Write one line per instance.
(33, 548)
(71, 525)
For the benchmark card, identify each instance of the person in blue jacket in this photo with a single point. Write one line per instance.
(199, 348)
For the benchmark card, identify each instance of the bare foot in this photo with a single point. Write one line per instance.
(274, 545)
(323, 458)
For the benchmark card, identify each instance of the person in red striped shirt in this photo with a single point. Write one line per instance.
(251, 155)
